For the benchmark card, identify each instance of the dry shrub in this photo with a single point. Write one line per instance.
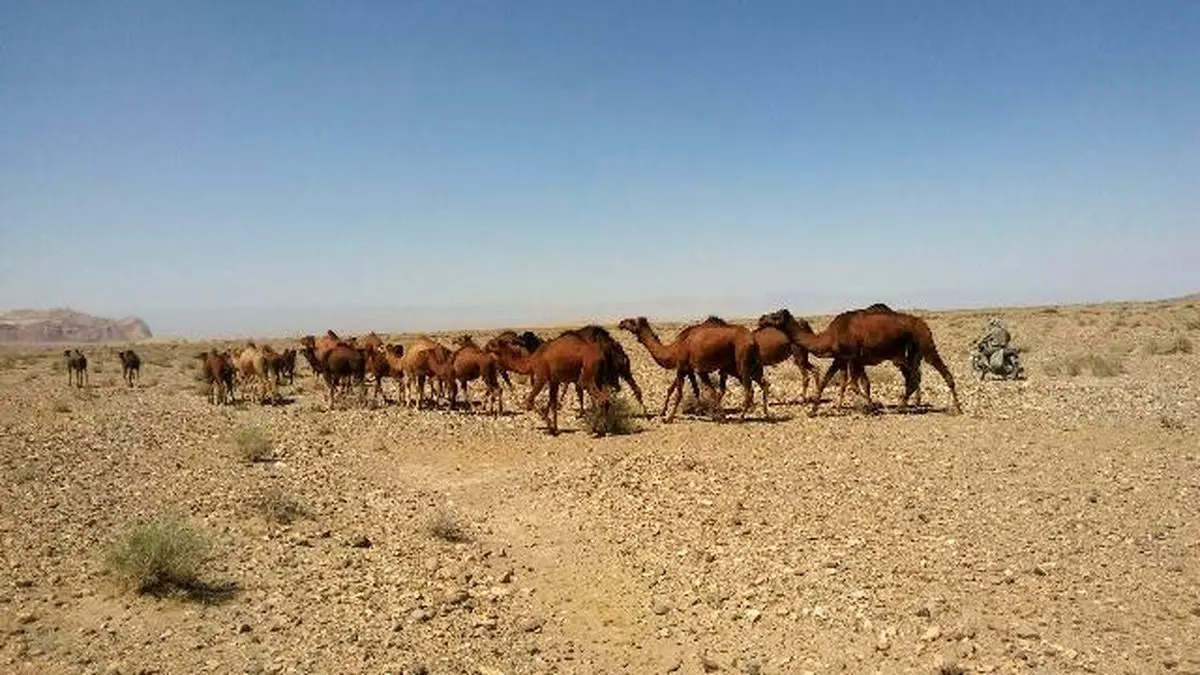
(1171, 423)
(61, 407)
(1077, 364)
(1192, 324)
(618, 418)
(1177, 344)
(158, 555)
(279, 507)
(253, 445)
(443, 525)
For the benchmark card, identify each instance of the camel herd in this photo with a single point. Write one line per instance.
(588, 358)
(596, 364)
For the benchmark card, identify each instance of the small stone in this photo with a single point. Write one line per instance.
(244, 628)
(532, 624)
(883, 644)
(673, 665)
(507, 577)
(660, 608)
(753, 615)
(709, 664)
(932, 633)
(420, 615)
(361, 541)
(26, 618)
(457, 596)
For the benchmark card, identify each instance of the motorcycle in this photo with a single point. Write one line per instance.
(1004, 363)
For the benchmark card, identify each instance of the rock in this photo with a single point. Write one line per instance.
(660, 608)
(709, 664)
(532, 624)
(244, 628)
(420, 615)
(673, 665)
(753, 615)
(457, 596)
(361, 541)
(416, 669)
(932, 633)
(883, 643)
(488, 670)
(26, 618)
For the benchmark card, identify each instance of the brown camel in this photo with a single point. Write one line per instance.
(861, 338)
(384, 361)
(77, 367)
(342, 364)
(617, 359)
(565, 359)
(469, 362)
(528, 339)
(287, 365)
(217, 369)
(713, 345)
(131, 366)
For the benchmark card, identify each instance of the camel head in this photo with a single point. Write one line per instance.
(332, 335)
(396, 350)
(529, 340)
(308, 341)
(634, 326)
(67, 353)
(784, 321)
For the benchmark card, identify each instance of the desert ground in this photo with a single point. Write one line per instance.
(1051, 528)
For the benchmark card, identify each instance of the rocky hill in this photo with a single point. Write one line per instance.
(65, 325)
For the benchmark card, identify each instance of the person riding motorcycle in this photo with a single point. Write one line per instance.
(993, 353)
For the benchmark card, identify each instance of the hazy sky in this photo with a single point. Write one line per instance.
(201, 164)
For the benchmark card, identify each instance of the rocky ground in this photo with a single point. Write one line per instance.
(1052, 528)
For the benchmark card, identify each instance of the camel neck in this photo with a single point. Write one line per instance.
(658, 351)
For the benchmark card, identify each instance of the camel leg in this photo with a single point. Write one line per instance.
(678, 386)
(834, 367)
(864, 384)
(579, 395)
(553, 412)
(931, 355)
(637, 392)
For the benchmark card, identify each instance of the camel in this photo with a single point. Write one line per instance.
(712, 345)
(77, 367)
(218, 373)
(417, 364)
(131, 366)
(287, 365)
(371, 342)
(529, 340)
(618, 363)
(384, 361)
(860, 338)
(258, 364)
(567, 358)
(340, 364)
(469, 362)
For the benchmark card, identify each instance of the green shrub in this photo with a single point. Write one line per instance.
(278, 507)
(158, 555)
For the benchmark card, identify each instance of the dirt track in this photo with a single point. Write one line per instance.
(1052, 528)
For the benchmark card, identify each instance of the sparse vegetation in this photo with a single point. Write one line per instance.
(279, 507)
(1177, 344)
(158, 556)
(61, 407)
(1171, 422)
(253, 445)
(617, 419)
(444, 526)
(1078, 364)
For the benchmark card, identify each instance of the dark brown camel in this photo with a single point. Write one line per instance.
(131, 366)
(528, 339)
(287, 365)
(861, 338)
(342, 364)
(217, 369)
(565, 359)
(470, 362)
(713, 345)
(77, 367)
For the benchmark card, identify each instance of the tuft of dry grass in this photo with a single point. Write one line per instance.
(279, 507)
(1077, 364)
(253, 445)
(1171, 423)
(157, 556)
(1177, 344)
(443, 525)
(61, 407)
(617, 419)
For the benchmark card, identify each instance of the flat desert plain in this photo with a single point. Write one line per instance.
(1051, 528)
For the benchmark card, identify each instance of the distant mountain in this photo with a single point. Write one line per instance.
(65, 325)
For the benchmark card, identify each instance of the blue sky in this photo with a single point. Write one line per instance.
(209, 164)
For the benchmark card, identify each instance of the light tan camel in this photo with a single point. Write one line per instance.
(469, 362)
